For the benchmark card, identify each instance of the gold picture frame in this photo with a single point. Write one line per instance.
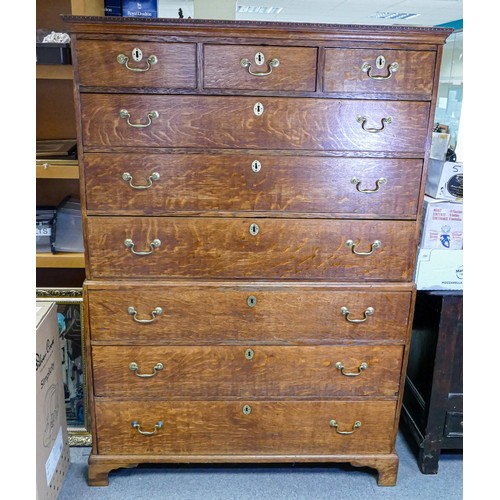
(72, 336)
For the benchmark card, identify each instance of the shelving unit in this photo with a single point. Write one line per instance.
(56, 179)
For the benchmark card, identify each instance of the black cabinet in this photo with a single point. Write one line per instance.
(433, 400)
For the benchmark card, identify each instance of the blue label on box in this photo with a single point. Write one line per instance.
(112, 7)
(148, 8)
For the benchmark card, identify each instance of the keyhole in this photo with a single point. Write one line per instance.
(256, 166)
(259, 58)
(247, 410)
(137, 54)
(251, 301)
(254, 229)
(380, 62)
(258, 108)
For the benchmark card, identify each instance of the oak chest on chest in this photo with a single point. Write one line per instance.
(251, 196)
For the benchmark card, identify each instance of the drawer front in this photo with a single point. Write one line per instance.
(216, 313)
(250, 248)
(257, 67)
(135, 184)
(107, 63)
(261, 372)
(380, 71)
(220, 427)
(454, 425)
(231, 122)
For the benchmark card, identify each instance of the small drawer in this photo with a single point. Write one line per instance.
(259, 67)
(136, 64)
(255, 371)
(225, 122)
(162, 184)
(201, 313)
(203, 247)
(244, 428)
(383, 72)
(454, 425)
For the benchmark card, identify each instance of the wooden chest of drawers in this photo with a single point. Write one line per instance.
(251, 200)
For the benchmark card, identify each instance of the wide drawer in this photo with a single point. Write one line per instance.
(377, 71)
(217, 313)
(261, 372)
(135, 184)
(320, 249)
(257, 67)
(116, 64)
(233, 122)
(244, 427)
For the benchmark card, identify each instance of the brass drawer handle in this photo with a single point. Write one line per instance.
(136, 425)
(378, 183)
(128, 178)
(334, 425)
(152, 115)
(369, 311)
(376, 244)
(150, 61)
(155, 312)
(363, 120)
(134, 367)
(130, 244)
(380, 63)
(273, 63)
(363, 366)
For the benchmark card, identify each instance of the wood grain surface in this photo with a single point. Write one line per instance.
(197, 183)
(207, 372)
(224, 248)
(222, 67)
(343, 71)
(220, 427)
(215, 313)
(98, 65)
(230, 122)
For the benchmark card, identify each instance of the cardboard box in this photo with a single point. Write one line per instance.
(445, 180)
(442, 224)
(439, 269)
(52, 448)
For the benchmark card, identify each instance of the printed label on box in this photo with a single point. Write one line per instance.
(55, 454)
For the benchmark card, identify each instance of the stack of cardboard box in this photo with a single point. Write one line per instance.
(440, 256)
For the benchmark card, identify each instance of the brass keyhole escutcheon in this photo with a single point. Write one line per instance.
(137, 54)
(249, 354)
(260, 59)
(380, 62)
(258, 109)
(247, 409)
(256, 166)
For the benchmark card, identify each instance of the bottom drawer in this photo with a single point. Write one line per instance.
(245, 427)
